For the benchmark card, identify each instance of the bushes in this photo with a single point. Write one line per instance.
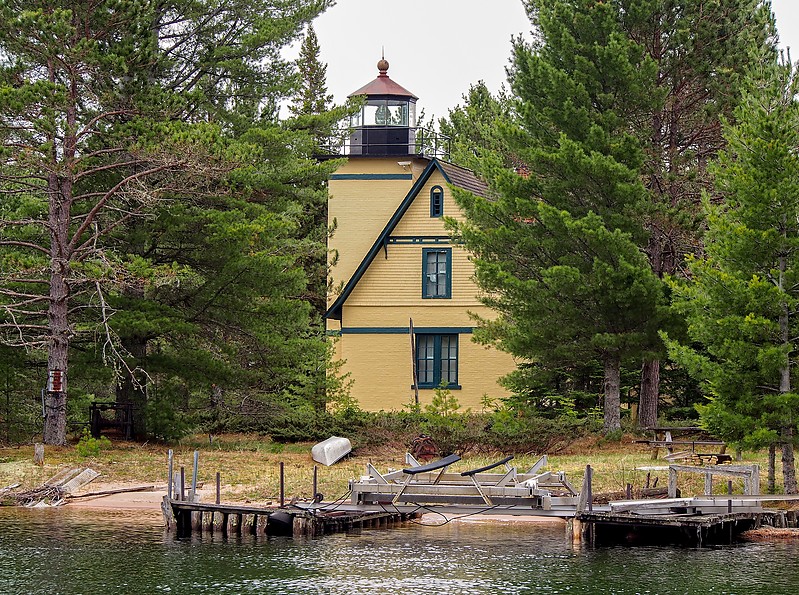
(513, 433)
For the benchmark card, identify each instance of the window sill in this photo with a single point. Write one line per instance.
(433, 387)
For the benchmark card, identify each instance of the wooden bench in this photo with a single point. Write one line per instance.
(664, 437)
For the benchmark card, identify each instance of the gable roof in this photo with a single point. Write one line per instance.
(453, 174)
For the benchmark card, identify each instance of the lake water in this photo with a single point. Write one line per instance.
(77, 551)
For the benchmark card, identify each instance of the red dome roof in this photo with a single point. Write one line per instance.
(383, 85)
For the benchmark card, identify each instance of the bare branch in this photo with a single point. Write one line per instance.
(19, 244)
(90, 124)
(101, 203)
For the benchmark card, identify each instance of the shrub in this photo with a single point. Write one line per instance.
(89, 446)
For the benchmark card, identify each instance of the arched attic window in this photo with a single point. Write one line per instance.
(436, 201)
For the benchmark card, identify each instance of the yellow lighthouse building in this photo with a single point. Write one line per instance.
(402, 290)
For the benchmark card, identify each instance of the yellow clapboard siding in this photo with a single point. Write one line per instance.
(417, 219)
(381, 368)
(375, 345)
(397, 316)
(361, 209)
(398, 279)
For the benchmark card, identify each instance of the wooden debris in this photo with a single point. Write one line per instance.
(147, 488)
(55, 490)
(80, 480)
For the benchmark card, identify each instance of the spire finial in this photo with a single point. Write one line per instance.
(382, 65)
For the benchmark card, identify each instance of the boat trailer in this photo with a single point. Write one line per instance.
(434, 484)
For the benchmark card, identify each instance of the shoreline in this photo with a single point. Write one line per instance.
(150, 500)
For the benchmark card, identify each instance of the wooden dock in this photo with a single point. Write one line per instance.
(698, 530)
(187, 518)
(384, 500)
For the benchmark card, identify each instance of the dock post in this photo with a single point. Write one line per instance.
(729, 502)
(194, 476)
(170, 479)
(672, 482)
(576, 529)
(218, 487)
(708, 483)
(590, 475)
(585, 497)
(313, 493)
(182, 483)
(282, 486)
(38, 454)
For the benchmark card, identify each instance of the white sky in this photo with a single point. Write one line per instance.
(438, 48)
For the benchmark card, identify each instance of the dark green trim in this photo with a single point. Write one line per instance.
(375, 330)
(449, 387)
(334, 311)
(403, 330)
(448, 281)
(371, 177)
(419, 240)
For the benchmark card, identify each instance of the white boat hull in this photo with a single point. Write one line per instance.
(331, 450)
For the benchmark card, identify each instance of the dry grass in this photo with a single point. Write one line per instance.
(249, 466)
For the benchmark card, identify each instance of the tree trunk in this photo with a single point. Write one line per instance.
(132, 388)
(55, 404)
(649, 394)
(772, 468)
(788, 466)
(59, 190)
(612, 388)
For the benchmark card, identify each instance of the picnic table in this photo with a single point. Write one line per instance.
(690, 442)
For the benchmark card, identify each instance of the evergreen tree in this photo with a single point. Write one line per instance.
(557, 250)
(702, 51)
(742, 300)
(697, 52)
(107, 112)
(312, 96)
(473, 128)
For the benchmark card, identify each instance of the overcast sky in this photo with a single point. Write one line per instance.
(438, 48)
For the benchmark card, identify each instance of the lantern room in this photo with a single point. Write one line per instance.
(386, 123)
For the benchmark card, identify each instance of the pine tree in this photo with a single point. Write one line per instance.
(558, 249)
(702, 51)
(697, 53)
(473, 128)
(742, 302)
(106, 113)
(312, 96)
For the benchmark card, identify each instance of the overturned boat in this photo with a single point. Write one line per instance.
(331, 451)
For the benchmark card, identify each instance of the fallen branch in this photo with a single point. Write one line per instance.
(147, 488)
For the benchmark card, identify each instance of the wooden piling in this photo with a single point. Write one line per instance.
(282, 486)
(38, 454)
(170, 477)
(194, 476)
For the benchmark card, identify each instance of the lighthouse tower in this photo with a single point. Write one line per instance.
(402, 292)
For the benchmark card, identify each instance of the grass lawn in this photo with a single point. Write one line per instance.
(249, 466)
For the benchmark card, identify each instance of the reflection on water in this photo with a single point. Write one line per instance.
(74, 551)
